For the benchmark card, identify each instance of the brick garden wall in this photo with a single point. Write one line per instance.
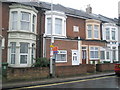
(61, 71)
(105, 67)
(27, 73)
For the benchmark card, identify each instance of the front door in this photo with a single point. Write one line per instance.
(84, 55)
(75, 60)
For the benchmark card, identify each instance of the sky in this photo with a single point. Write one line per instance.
(107, 8)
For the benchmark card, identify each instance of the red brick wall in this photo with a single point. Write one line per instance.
(72, 21)
(105, 67)
(63, 45)
(74, 70)
(95, 43)
(27, 73)
(5, 25)
(43, 72)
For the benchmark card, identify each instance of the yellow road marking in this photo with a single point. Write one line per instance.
(38, 86)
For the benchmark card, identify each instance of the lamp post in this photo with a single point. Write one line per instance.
(52, 41)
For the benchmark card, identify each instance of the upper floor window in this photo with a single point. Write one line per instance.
(59, 24)
(96, 31)
(89, 29)
(23, 19)
(107, 34)
(76, 28)
(113, 35)
(14, 16)
(92, 29)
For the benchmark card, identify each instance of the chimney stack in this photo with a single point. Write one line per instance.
(89, 9)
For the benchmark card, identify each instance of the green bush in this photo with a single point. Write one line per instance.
(116, 61)
(41, 62)
(106, 61)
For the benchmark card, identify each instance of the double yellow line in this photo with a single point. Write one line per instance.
(38, 86)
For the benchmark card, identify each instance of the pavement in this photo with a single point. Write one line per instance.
(54, 80)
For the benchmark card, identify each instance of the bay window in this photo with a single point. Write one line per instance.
(59, 24)
(23, 20)
(94, 53)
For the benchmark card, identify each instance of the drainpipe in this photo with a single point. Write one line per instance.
(79, 50)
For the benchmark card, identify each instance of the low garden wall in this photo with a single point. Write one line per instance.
(27, 73)
(61, 71)
(105, 67)
(74, 70)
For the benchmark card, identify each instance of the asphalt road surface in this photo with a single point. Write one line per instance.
(100, 82)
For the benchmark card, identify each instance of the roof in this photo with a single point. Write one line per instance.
(69, 11)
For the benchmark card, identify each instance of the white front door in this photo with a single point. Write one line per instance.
(75, 60)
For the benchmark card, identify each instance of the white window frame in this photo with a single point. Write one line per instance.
(25, 21)
(107, 30)
(19, 10)
(60, 52)
(76, 28)
(102, 58)
(94, 50)
(114, 34)
(24, 54)
(56, 15)
(12, 53)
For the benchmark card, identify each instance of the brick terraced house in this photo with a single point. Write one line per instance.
(27, 34)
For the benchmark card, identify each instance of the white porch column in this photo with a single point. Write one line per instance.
(79, 50)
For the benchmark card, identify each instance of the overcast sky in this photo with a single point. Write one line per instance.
(107, 8)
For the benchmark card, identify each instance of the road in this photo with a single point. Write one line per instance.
(100, 82)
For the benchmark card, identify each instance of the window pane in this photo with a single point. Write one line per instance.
(107, 34)
(113, 35)
(13, 51)
(12, 58)
(108, 55)
(25, 21)
(48, 25)
(95, 31)
(25, 16)
(25, 25)
(61, 57)
(89, 29)
(33, 23)
(14, 20)
(13, 47)
(23, 59)
(58, 26)
(102, 55)
(23, 47)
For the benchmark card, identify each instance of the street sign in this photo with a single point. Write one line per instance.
(55, 48)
